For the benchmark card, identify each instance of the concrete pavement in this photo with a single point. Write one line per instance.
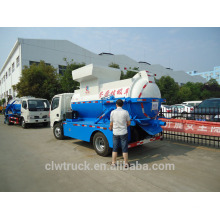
(25, 152)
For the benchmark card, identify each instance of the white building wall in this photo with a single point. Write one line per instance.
(10, 76)
(53, 52)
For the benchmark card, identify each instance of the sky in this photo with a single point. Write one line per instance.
(178, 48)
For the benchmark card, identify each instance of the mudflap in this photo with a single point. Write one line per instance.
(152, 127)
(151, 130)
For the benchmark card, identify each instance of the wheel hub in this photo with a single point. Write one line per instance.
(100, 144)
(57, 132)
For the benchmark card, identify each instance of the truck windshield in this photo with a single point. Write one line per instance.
(38, 105)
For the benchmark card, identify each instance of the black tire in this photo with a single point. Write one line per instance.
(23, 124)
(45, 124)
(101, 145)
(58, 131)
(7, 121)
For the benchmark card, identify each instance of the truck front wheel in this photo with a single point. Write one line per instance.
(101, 145)
(23, 124)
(58, 131)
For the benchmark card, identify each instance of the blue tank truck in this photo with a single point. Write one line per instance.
(85, 114)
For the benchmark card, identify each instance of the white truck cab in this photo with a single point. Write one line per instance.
(34, 110)
(60, 104)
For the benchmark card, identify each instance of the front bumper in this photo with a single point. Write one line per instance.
(39, 120)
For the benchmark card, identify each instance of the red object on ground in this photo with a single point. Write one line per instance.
(192, 127)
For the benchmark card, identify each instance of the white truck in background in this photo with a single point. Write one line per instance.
(27, 110)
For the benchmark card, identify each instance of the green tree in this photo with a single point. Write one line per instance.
(169, 89)
(114, 65)
(195, 89)
(213, 87)
(3, 101)
(205, 94)
(183, 94)
(39, 81)
(213, 82)
(0, 102)
(130, 73)
(66, 81)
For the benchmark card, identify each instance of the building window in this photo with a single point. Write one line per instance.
(37, 63)
(17, 61)
(6, 75)
(33, 62)
(62, 69)
(13, 67)
(9, 71)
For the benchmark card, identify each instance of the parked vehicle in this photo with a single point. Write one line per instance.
(192, 103)
(182, 110)
(167, 111)
(91, 105)
(26, 111)
(208, 110)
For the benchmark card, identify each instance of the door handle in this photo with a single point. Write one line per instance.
(57, 115)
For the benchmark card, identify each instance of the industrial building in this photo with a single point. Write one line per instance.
(214, 74)
(28, 51)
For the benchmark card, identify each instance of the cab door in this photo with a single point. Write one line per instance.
(55, 110)
(24, 110)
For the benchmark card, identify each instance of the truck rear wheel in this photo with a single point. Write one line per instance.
(100, 144)
(7, 121)
(58, 131)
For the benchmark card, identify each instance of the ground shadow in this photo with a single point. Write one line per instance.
(148, 153)
(35, 126)
(157, 151)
